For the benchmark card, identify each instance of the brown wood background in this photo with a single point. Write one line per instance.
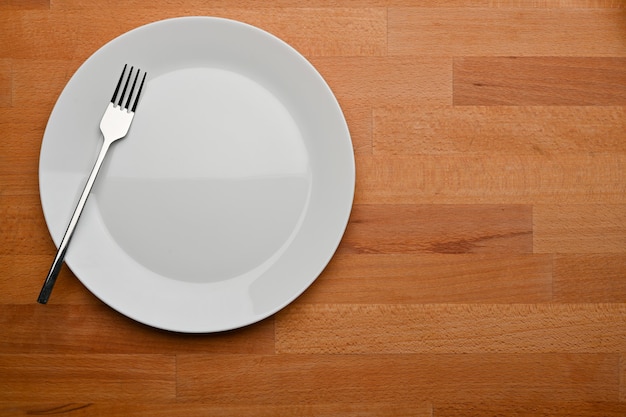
(483, 271)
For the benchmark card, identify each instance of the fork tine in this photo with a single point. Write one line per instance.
(139, 92)
(125, 87)
(117, 88)
(118, 100)
(130, 95)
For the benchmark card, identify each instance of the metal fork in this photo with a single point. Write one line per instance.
(114, 126)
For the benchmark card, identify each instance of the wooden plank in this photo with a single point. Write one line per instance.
(319, 379)
(7, 27)
(381, 80)
(76, 34)
(168, 409)
(386, 228)
(594, 278)
(615, 4)
(523, 4)
(588, 228)
(358, 115)
(505, 179)
(84, 378)
(72, 329)
(539, 81)
(37, 85)
(19, 184)
(451, 328)
(443, 409)
(192, 4)
(513, 408)
(24, 4)
(392, 279)
(24, 230)
(6, 83)
(506, 31)
(40, 34)
(622, 378)
(19, 150)
(516, 130)
(21, 278)
(337, 31)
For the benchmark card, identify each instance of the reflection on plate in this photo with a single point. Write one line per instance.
(231, 191)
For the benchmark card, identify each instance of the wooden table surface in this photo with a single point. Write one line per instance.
(483, 270)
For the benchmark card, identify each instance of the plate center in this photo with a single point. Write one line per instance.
(211, 182)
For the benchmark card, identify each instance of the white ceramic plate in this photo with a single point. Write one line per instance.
(230, 193)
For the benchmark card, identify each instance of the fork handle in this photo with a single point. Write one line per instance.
(46, 289)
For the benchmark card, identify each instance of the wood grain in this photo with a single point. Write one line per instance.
(506, 32)
(165, 409)
(72, 329)
(579, 228)
(485, 130)
(591, 278)
(6, 83)
(24, 4)
(379, 80)
(508, 179)
(91, 377)
(358, 115)
(439, 229)
(529, 409)
(408, 378)
(451, 328)
(434, 278)
(76, 34)
(483, 269)
(23, 185)
(37, 84)
(540, 81)
(24, 230)
(622, 376)
(26, 269)
(500, 407)
(532, 4)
